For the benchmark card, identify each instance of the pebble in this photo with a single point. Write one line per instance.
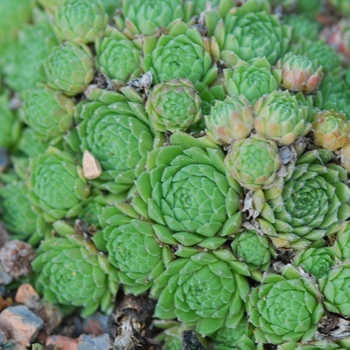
(91, 166)
(96, 324)
(66, 342)
(20, 324)
(3, 337)
(27, 295)
(89, 342)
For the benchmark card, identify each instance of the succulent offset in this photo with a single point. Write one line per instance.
(194, 152)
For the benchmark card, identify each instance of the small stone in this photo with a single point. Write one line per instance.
(91, 166)
(21, 324)
(66, 342)
(88, 342)
(27, 295)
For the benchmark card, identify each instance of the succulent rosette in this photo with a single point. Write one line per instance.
(80, 21)
(189, 193)
(17, 211)
(254, 249)
(230, 120)
(248, 33)
(299, 73)
(51, 5)
(118, 134)
(331, 130)
(57, 185)
(174, 105)
(252, 80)
(72, 272)
(316, 261)
(147, 16)
(345, 157)
(35, 42)
(254, 162)
(183, 53)
(48, 112)
(69, 68)
(133, 249)
(10, 125)
(285, 307)
(307, 205)
(337, 99)
(335, 289)
(203, 290)
(281, 117)
(118, 57)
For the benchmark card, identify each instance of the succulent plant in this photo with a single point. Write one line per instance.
(80, 21)
(248, 33)
(252, 80)
(254, 162)
(299, 73)
(48, 112)
(73, 272)
(118, 57)
(279, 116)
(146, 17)
(230, 120)
(203, 279)
(174, 105)
(331, 130)
(182, 53)
(310, 204)
(69, 68)
(286, 307)
(57, 185)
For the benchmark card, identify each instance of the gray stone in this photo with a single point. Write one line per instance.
(88, 342)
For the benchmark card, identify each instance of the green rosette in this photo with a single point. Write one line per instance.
(254, 249)
(247, 33)
(229, 120)
(115, 129)
(252, 80)
(189, 193)
(286, 307)
(342, 6)
(17, 213)
(316, 261)
(281, 117)
(182, 53)
(80, 21)
(146, 17)
(254, 162)
(71, 272)
(49, 113)
(335, 289)
(174, 105)
(133, 248)
(57, 185)
(206, 291)
(118, 57)
(69, 68)
(51, 6)
(35, 42)
(310, 203)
